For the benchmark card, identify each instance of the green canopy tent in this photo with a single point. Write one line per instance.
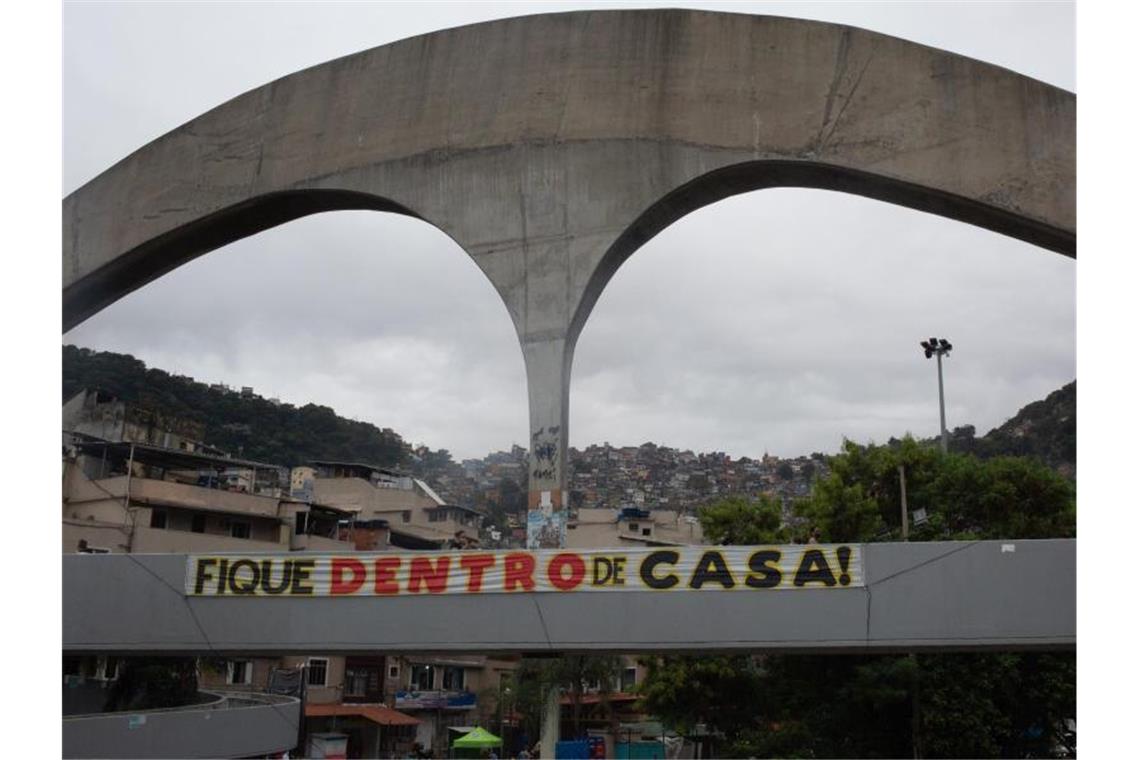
(477, 739)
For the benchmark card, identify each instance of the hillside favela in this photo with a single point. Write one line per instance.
(155, 462)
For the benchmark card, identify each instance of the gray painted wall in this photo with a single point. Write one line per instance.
(942, 595)
(194, 732)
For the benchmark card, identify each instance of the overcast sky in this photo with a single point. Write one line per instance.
(779, 321)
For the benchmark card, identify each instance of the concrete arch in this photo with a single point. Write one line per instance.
(160, 255)
(548, 147)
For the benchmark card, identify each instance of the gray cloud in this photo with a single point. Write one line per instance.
(780, 320)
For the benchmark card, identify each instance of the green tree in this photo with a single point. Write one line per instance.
(721, 692)
(968, 705)
(737, 520)
(573, 674)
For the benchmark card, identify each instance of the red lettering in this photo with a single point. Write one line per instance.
(571, 562)
(342, 565)
(386, 568)
(475, 564)
(423, 574)
(518, 570)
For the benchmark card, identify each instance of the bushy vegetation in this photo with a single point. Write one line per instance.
(252, 428)
(925, 705)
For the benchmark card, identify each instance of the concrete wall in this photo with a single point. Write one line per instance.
(600, 528)
(102, 535)
(357, 493)
(260, 668)
(986, 594)
(257, 729)
(155, 541)
(333, 690)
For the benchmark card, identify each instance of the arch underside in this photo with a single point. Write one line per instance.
(749, 176)
(165, 253)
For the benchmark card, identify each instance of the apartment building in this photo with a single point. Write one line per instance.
(121, 496)
(416, 515)
(451, 691)
(605, 528)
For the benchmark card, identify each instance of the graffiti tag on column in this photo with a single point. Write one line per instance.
(544, 444)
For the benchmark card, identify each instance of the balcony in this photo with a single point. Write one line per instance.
(229, 725)
(165, 493)
(320, 544)
(165, 541)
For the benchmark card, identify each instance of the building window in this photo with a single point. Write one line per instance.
(437, 515)
(302, 523)
(646, 531)
(107, 668)
(633, 527)
(355, 682)
(394, 670)
(158, 519)
(452, 678)
(239, 672)
(628, 679)
(318, 672)
(198, 524)
(422, 678)
(406, 516)
(239, 529)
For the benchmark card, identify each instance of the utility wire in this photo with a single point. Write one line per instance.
(205, 636)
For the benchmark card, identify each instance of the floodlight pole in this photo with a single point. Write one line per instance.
(937, 347)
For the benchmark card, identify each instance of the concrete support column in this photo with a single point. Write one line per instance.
(548, 359)
(551, 717)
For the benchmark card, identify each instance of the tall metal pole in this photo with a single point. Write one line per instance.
(902, 495)
(942, 404)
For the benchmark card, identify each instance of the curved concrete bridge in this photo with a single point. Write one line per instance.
(551, 147)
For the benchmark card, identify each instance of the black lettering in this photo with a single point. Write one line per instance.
(843, 554)
(301, 570)
(202, 575)
(223, 573)
(814, 569)
(248, 587)
(651, 561)
(764, 565)
(619, 571)
(712, 568)
(267, 576)
(601, 564)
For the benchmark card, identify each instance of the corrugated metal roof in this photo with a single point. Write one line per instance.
(427, 489)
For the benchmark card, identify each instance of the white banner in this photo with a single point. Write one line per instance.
(682, 568)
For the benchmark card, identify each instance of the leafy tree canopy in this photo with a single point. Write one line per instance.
(737, 520)
(930, 705)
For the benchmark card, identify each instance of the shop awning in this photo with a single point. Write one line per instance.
(477, 738)
(379, 714)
